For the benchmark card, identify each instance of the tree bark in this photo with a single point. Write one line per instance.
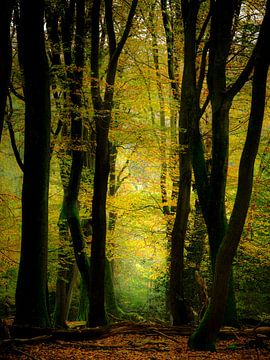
(71, 195)
(31, 292)
(211, 189)
(169, 25)
(102, 117)
(162, 138)
(204, 338)
(188, 113)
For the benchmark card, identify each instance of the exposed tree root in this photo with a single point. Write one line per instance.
(24, 335)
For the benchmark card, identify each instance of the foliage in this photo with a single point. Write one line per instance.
(138, 246)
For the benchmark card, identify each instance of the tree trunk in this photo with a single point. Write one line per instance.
(188, 107)
(97, 315)
(173, 168)
(110, 301)
(204, 338)
(220, 42)
(102, 117)
(66, 274)
(31, 292)
(162, 138)
(59, 317)
(212, 193)
(195, 254)
(216, 213)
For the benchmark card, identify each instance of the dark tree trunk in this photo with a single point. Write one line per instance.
(212, 192)
(59, 317)
(71, 195)
(220, 42)
(65, 273)
(188, 112)
(31, 292)
(73, 38)
(216, 213)
(170, 24)
(162, 138)
(173, 164)
(113, 187)
(102, 117)
(204, 338)
(97, 314)
(6, 55)
(110, 300)
(195, 254)
(62, 281)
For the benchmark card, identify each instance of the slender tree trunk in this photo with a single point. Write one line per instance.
(64, 275)
(212, 193)
(162, 137)
(173, 168)
(220, 42)
(216, 214)
(31, 292)
(71, 207)
(188, 112)
(97, 313)
(195, 254)
(72, 31)
(204, 338)
(102, 116)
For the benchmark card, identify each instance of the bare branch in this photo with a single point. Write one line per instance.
(12, 135)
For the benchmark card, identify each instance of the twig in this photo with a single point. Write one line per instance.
(24, 353)
(95, 347)
(166, 336)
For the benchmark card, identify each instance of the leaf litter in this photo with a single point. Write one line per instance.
(138, 347)
(136, 342)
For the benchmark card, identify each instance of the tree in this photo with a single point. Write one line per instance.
(211, 183)
(187, 114)
(102, 117)
(205, 336)
(190, 113)
(72, 16)
(31, 292)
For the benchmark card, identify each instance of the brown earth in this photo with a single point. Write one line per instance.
(134, 341)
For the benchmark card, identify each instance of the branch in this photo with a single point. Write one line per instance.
(203, 29)
(55, 135)
(166, 336)
(12, 136)
(110, 27)
(120, 181)
(95, 87)
(119, 48)
(169, 43)
(205, 105)
(202, 69)
(243, 77)
(58, 128)
(15, 92)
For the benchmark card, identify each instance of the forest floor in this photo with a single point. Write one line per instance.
(134, 342)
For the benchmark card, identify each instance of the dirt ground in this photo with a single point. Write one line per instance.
(137, 347)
